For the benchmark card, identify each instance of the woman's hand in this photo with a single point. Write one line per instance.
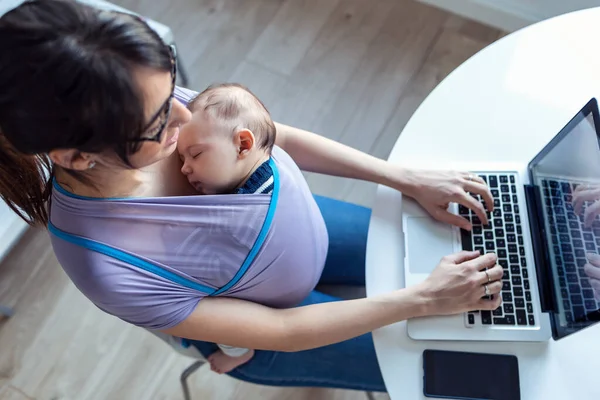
(459, 282)
(587, 194)
(435, 190)
(592, 270)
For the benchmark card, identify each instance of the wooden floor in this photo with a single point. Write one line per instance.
(353, 70)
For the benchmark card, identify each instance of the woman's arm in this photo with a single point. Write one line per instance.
(434, 190)
(245, 324)
(455, 286)
(319, 154)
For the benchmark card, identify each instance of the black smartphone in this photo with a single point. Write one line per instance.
(470, 376)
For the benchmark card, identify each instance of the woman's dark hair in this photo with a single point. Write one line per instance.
(66, 82)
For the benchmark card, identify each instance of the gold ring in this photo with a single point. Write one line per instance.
(487, 290)
(488, 275)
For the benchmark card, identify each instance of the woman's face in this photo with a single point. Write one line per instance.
(157, 89)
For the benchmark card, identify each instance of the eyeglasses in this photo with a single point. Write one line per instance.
(155, 134)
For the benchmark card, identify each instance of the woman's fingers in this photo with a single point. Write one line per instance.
(581, 196)
(480, 188)
(488, 304)
(591, 212)
(592, 271)
(452, 219)
(490, 275)
(485, 261)
(461, 257)
(468, 201)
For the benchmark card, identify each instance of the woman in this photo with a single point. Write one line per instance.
(94, 93)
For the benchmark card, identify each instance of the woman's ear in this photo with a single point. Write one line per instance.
(72, 159)
(244, 141)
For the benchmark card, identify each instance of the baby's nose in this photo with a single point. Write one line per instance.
(186, 170)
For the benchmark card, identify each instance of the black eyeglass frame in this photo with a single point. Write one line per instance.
(166, 107)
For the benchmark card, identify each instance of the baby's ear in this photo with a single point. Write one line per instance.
(245, 142)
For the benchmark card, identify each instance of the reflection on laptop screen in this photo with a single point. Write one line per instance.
(570, 169)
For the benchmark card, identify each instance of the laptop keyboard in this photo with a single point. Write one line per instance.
(571, 240)
(503, 236)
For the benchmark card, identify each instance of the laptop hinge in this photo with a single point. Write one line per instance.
(543, 266)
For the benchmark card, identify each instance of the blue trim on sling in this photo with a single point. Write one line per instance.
(62, 190)
(160, 271)
(261, 236)
(128, 258)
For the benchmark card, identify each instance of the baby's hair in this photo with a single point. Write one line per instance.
(236, 105)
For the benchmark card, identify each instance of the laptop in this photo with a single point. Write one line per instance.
(540, 240)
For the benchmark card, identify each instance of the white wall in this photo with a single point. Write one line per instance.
(510, 15)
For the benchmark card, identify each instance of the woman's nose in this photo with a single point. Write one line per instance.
(179, 113)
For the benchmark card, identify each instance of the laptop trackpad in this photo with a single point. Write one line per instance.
(427, 242)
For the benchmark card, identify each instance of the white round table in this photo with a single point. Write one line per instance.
(502, 105)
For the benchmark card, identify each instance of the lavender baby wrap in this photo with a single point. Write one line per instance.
(149, 261)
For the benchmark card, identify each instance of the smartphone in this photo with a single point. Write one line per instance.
(470, 376)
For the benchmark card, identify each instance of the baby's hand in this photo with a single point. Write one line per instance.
(221, 363)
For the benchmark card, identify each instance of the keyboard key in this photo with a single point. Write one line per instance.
(530, 308)
(520, 240)
(480, 249)
(578, 313)
(507, 208)
(590, 246)
(498, 222)
(524, 273)
(531, 320)
(502, 253)
(508, 218)
(518, 291)
(501, 243)
(513, 188)
(521, 251)
(572, 278)
(478, 240)
(519, 302)
(516, 208)
(497, 312)
(506, 198)
(523, 262)
(512, 179)
(486, 318)
(518, 219)
(508, 320)
(510, 227)
(493, 181)
(471, 319)
(488, 235)
(515, 270)
(507, 296)
(489, 246)
(504, 188)
(577, 300)
(497, 213)
(528, 295)
(513, 259)
(503, 179)
(514, 198)
(512, 248)
(511, 238)
(585, 283)
(562, 228)
(508, 308)
(588, 293)
(505, 285)
(526, 284)
(588, 237)
(477, 230)
(503, 263)
(591, 305)
(579, 253)
(521, 317)
(516, 280)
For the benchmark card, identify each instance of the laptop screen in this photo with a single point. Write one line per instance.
(567, 178)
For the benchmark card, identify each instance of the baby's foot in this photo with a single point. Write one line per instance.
(221, 363)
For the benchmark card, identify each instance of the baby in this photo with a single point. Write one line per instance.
(225, 149)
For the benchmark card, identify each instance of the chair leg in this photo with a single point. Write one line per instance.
(370, 396)
(185, 375)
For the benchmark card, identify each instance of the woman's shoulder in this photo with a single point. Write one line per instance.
(124, 291)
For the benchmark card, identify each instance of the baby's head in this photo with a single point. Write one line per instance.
(231, 131)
